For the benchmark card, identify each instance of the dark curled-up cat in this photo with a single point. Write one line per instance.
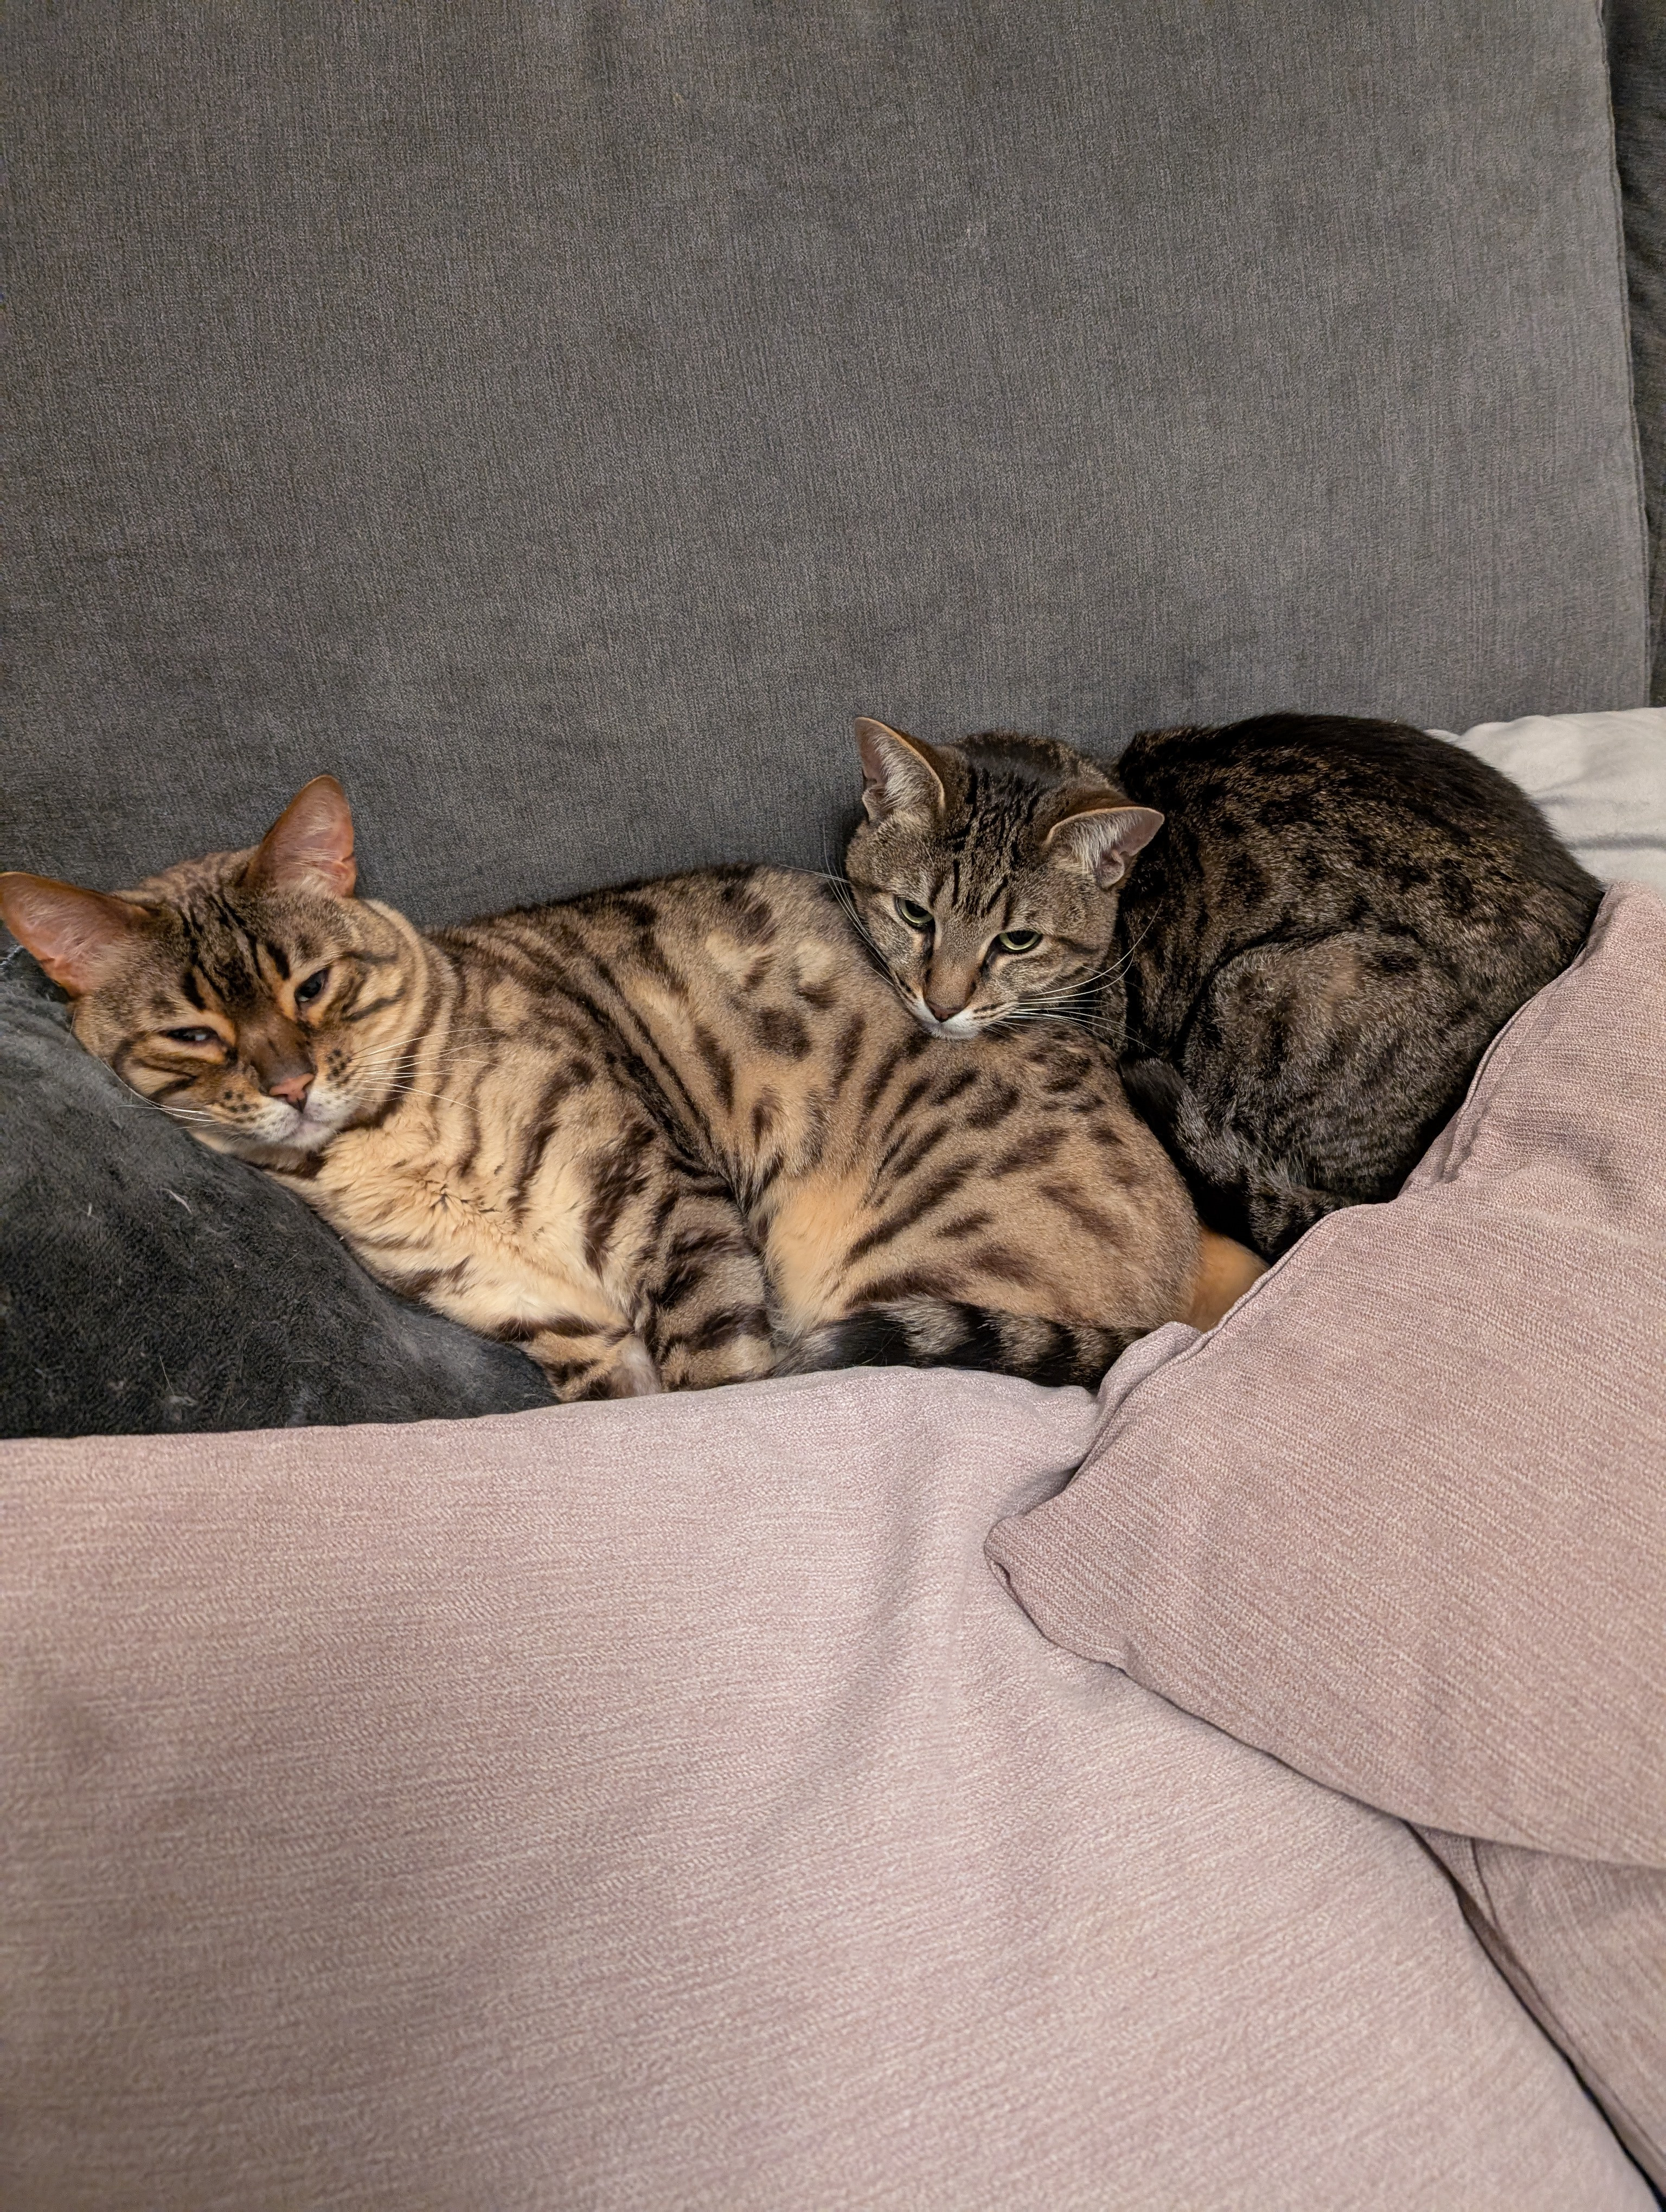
(665, 1137)
(1328, 921)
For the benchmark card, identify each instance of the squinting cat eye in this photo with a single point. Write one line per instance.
(192, 1037)
(307, 992)
(917, 917)
(1018, 940)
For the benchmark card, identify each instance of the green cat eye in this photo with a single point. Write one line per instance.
(1018, 940)
(307, 992)
(917, 917)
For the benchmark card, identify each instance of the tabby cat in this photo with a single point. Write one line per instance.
(1301, 973)
(665, 1137)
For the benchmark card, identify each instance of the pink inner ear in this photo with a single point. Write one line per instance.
(899, 771)
(80, 938)
(1105, 838)
(310, 846)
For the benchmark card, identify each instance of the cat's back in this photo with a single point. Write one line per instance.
(1333, 820)
(697, 913)
(1338, 917)
(713, 994)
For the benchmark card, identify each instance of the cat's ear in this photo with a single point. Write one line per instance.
(1101, 839)
(902, 775)
(81, 939)
(310, 846)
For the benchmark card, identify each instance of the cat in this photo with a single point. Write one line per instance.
(665, 1137)
(1299, 972)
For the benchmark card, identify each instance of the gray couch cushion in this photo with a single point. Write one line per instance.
(148, 1284)
(558, 421)
(1637, 60)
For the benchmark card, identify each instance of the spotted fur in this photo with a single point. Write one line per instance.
(673, 1135)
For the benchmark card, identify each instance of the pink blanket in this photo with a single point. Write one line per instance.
(660, 1804)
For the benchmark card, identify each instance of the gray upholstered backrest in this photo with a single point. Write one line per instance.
(1637, 66)
(559, 420)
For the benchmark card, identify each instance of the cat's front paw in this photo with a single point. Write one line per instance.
(583, 1364)
(632, 1370)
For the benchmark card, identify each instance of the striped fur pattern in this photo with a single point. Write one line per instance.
(986, 875)
(665, 1137)
(1300, 975)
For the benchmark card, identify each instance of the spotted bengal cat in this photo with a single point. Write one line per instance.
(675, 1135)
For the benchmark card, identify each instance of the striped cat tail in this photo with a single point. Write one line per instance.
(931, 1331)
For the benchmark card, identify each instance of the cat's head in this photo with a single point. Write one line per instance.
(986, 873)
(249, 994)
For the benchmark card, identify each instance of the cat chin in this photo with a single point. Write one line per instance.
(236, 1143)
(302, 1143)
(959, 1027)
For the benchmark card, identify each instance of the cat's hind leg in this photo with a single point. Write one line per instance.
(1308, 1077)
(1245, 1196)
(705, 1303)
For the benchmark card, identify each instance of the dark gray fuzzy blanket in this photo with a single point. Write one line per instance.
(149, 1285)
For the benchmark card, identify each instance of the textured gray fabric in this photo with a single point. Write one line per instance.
(146, 1283)
(1637, 59)
(558, 420)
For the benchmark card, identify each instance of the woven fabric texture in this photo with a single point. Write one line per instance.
(660, 1804)
(559, 421)
(1401, 1519)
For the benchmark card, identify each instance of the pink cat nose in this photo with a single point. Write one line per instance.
(944, 1013)
(293, 1089)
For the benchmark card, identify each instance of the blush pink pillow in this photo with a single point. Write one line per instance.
(1401, 1520)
